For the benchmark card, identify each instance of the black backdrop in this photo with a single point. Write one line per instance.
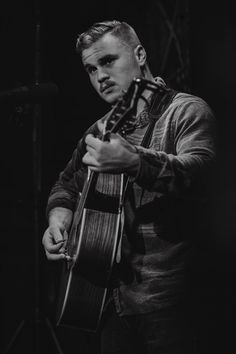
(207, 38)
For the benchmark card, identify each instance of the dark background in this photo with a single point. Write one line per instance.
(200, 59)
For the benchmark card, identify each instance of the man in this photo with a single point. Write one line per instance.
(147, 307)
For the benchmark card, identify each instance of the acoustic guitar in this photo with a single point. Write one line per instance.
(96, 229)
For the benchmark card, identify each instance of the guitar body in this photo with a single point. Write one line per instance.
(96, 229)
(92, 246)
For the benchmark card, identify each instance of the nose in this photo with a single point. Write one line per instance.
(102, 75)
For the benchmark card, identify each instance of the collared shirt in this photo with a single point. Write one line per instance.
(164, 207)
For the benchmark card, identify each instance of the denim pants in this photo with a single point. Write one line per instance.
(165, 331)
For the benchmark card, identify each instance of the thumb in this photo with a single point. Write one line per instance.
(64, 244)
(56, 233)
(65, 235)
(101, 126)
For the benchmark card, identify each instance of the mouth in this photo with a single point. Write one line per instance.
(104, 88)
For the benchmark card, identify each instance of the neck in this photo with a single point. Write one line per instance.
(146, 93)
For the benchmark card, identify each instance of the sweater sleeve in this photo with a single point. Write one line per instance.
(193, 142)
(65, 192)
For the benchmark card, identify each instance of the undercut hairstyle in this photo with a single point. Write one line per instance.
(121, 30)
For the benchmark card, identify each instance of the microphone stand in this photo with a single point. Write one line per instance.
(38, 319)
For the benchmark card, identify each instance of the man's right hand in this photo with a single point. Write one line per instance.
(54, 242)
(55, 237)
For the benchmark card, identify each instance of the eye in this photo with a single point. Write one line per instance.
(91, 69)
(109, 61)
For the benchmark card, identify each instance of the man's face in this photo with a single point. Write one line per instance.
(111, 66)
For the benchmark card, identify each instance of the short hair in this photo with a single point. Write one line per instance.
(121, 30)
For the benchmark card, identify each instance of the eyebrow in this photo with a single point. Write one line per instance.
(105, 57)
(101, 60)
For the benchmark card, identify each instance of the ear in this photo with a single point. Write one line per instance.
(140, 54)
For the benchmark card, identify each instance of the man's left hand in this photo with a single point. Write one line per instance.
(114, 156)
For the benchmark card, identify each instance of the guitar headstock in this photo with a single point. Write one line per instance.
(123, 115)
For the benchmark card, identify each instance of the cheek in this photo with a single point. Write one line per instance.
(128, 75)
(94, 83)
(131, 69)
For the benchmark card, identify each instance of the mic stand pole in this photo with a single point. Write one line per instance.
(37, 168)
(38, 318)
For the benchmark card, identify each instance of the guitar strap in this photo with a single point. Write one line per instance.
(159, 104)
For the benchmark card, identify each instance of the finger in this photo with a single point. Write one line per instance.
(115, 135)
(92, 152)
(101, 126)
(54, 248)
(56, 234)
(90, 149)
(64, 243)
(55, 257)
(93, 142)
(47, 240)
(116, 138)
(89, 160)
(65, 235)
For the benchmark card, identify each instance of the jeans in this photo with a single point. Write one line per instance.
(165, 331)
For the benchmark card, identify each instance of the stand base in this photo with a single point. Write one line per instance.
(34, 338)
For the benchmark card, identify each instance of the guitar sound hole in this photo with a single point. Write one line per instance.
(102, 202)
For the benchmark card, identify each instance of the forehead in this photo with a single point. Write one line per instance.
(106, 45)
